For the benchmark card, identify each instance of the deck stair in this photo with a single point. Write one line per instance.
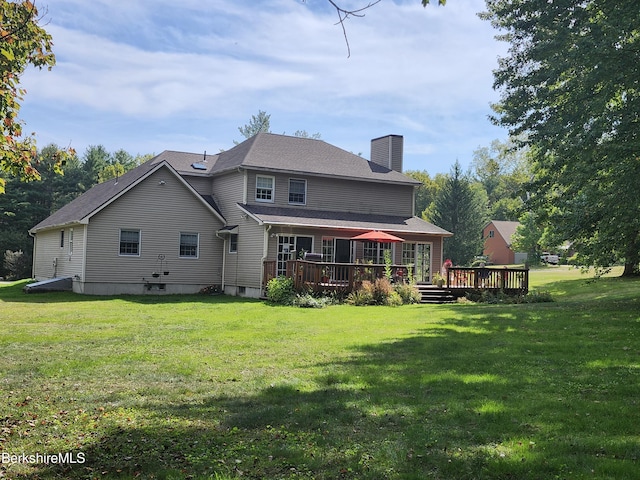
(435, 294)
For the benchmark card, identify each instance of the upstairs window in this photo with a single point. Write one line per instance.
(491, 233)
(264, 188)
(297, 191)
(130, 242)
(61, 238)
(189, 245)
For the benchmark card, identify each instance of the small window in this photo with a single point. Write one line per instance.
(297, 191)
(130, 242)
(491, 233)
(61, 238)
(233, 243)
(264, 188)
(189, 245)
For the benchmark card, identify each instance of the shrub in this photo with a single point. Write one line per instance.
(280, 290)
(17, 264)
(486, 296)
(380, 292)
(363, 295)
(408, 293)
(309, 301)
(393, 299)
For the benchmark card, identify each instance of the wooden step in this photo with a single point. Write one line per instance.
(435, 295)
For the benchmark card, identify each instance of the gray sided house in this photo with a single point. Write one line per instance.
(184, 221)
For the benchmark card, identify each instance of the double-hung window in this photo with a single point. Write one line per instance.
(189, 245)
(297, 191)
(265, 187)
(130, 242)
(233, 243)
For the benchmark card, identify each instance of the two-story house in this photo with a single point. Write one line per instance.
(184, 221)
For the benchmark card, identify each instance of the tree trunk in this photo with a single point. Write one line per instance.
(631, 270)
(632, 260)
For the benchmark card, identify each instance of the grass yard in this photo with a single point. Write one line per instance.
(224, 388)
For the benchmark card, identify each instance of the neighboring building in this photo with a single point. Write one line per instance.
(497, 243)
(184, 221)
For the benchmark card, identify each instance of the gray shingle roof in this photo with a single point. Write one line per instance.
(342, 220)
(82, 207)
(267, 151)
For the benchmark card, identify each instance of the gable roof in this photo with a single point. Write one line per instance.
(505, 229)
(82, 208)
(341, 220)
(282, 153)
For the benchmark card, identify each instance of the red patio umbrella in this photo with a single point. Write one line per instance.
(378, 236)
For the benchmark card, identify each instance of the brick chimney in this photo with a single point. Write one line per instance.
(387, 151)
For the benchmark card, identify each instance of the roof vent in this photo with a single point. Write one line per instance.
(198, 166)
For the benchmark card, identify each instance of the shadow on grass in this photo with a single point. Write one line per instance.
(14, 293)
(523, 396)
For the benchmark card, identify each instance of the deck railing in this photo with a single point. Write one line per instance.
(338, 277)
(346, 277)
(508, 280)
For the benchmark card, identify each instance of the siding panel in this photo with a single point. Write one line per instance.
(341, 195)
(160, 212)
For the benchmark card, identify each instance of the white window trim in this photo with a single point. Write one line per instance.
(130, 255)
(189, 257)
(273, 189)
(305, 191)
(229, 248)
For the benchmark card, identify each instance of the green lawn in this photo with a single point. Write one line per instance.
(217, 387)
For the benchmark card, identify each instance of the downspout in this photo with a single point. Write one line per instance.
(85, 239)
(224, 258)
(245, 186)
(265, 252)
(33, 262)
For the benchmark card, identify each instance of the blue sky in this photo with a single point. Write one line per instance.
(154, 75)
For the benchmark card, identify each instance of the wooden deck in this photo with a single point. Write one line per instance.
(346, 277)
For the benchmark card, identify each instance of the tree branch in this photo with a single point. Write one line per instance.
(344, 14)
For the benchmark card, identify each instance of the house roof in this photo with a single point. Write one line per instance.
(282, 153)
(98, 197)
(340, 220)
(505, 229)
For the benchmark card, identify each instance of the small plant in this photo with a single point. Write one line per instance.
(387, 265)
(438, 279)
(211, 290)
(280, 290)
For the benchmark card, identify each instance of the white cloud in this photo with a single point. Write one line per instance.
(425, 73)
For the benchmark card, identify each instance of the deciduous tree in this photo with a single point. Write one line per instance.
(570, 82)
(23, 42)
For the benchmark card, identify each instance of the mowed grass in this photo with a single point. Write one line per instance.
(218, 387)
